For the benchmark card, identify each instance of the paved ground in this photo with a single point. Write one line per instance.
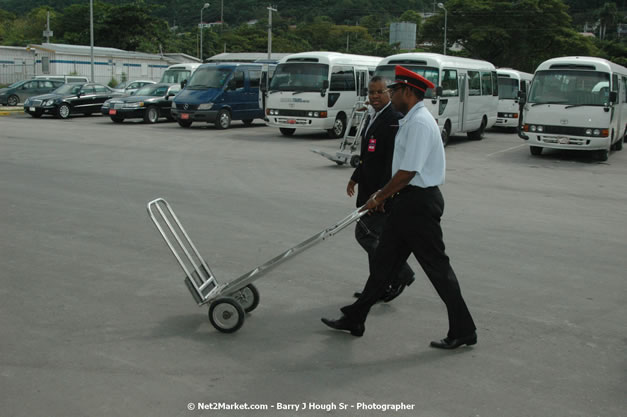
(96, 320)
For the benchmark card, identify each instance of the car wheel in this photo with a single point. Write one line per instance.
(287, 132)
(13, 100)
(535, 150)
(151, 115)
(223, 121)
(117, 119)
(63, 111)
(339, 127)
(185, 123)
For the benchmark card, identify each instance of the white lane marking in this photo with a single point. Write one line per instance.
(508, 149)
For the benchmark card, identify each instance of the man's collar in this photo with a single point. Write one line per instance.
(411, 111)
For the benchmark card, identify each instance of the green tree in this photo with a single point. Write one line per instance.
(519, 35)
(412, 16)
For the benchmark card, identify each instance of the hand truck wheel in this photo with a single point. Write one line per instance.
(226, 315)
(247, 297)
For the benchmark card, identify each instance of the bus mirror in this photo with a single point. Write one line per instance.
(613, 97)
(325, 87)
(522, 97)
(183, 84)
(438, 91)
(263, 86)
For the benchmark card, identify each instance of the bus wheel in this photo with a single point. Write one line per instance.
(535, 150)
(287, 132)
(339, 127)
(445, 135)
(618, 146)
(602, 155)
(478, 134)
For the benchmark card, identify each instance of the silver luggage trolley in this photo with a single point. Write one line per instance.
(350, 143)
(228, 302)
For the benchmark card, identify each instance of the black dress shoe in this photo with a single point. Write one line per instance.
(447, 343)
(356, 329)
(396, 290)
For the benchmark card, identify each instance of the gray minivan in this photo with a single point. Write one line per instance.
(219, 93)
(18, 92)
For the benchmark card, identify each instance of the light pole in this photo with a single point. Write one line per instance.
(201, 26)
(91, 36)
(270, 10)
(441, 6)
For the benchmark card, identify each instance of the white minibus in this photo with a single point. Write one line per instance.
(177, 73)
(511, 82)
(466, 96)
(317, 90)
(576, 102)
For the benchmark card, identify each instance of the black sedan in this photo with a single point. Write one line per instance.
(86, 98)
(149, 103)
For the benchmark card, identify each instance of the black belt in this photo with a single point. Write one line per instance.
(413, 188)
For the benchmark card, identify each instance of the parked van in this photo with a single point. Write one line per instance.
(218, 93)
(64, 78)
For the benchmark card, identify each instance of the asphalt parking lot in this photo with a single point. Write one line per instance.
(96, 320)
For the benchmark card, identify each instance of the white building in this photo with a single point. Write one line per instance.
(60, 59)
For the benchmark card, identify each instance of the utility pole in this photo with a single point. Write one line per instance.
(270, 10)
(48, 33)
(91, 36)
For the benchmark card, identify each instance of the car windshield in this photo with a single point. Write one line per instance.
(508, 88)
(152, 90)
(431, 74)
(16, 84)
(175, 75)
(570, 87)
(297, 76)
(69, 89)
(210, 77)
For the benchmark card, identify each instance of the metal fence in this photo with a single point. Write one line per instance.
(16, 71)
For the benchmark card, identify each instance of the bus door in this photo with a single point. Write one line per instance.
(463, 99)
(616, 125)
(362, 84)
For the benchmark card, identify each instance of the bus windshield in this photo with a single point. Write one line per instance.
(508, 88)
(431, 74)
(175, 75)
(299, 77)
(209, 77)
(570, 87)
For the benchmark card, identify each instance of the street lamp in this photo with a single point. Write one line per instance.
(201, 26)
(441, 6)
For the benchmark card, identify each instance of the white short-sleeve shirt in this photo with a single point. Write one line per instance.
(418, 148)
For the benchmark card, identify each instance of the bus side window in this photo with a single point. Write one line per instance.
(495, 84)
(624, 89)
(486, 84)
(449, 83)
(343, 79)
(474, 83)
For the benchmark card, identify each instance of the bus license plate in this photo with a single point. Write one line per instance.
(184, 116)
(112, 112)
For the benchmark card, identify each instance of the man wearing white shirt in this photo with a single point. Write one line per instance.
(413, 224)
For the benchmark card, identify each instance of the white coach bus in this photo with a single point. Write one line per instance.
(576, 103)
(317, 90)
(178, 73)
(466, 96)
(510, 83)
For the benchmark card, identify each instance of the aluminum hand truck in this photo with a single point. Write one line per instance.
(228, 302)
(350, 142)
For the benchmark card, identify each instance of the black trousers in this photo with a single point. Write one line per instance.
(413, 226)
(367, 233)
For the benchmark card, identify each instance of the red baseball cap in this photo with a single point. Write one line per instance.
(410, 78)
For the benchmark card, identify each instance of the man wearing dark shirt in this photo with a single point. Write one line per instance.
(373, 172)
